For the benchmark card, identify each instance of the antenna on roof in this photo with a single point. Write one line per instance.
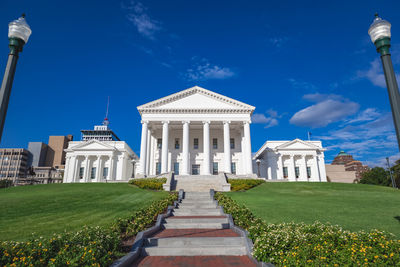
(106, 122)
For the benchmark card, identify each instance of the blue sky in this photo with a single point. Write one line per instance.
(304, 65)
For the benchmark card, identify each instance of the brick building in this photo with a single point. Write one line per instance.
(350, 164)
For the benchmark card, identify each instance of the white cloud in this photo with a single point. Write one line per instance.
(371, 138)
(203, 70)
(366, 115)
(328, 109)
(270, 121)
(144, 24)
(375, 74)
(382, 162)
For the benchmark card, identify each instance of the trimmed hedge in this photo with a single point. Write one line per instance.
(5, 183)
(299, 244)
(149, 183)
(92, 246)
(244, 184)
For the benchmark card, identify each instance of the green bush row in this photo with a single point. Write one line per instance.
(244, 184)
(149, 183)
(5, 183)
(91, 246)
(299, 244)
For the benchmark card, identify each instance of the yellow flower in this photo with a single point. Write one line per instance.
(376, 256)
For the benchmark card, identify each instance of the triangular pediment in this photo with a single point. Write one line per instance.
(92, 145)
(297, 144)
(195, 98)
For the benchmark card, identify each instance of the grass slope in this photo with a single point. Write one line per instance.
(53, 208)
(352, 206)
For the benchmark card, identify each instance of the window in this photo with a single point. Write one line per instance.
(215, 168)
(177, 143)
(285, 172)
(232, 143)
(233, 168)
(159, 143)
(105, 172)
(297, 172)
(176, 168)
(215, 143)
(195, 169)
(308, 172)
(158, 168)
(93, 173)
(81, 171)
(196, 143)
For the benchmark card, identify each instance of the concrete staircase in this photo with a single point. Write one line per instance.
(198, 228)
(200, 183)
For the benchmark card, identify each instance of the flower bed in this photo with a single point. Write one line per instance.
(149, 183)
(292, 244)
(244, 184)
(92, 246)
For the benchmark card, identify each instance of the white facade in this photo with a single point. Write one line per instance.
(295, 160)
(195, 131)
(98, 161)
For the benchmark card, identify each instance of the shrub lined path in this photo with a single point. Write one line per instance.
(197, 235)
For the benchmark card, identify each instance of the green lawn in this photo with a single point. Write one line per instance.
(53, 208)
(352, 206)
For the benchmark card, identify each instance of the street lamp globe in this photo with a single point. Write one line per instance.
(379, 29)
(19, 29)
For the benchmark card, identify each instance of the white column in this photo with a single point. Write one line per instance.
(148, 152)
(303, 173)
(269, 162)
(86, 177)
(279, 171)
(321, 165)
(67, 169)
(185, 148)
(143, 148)
(227, 148)
(77, 166)
(164, 149)
(111, 175)
(206, 148)
(315, 171)
(98, 169)
(291, 171)
(247, 141)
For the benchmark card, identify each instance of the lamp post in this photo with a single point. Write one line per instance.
(379, 31)
(258, 161)
(18, 35)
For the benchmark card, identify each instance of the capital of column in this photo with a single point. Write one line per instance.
(185, 122)
(206, 122)
(226, 122)
(246, 122)
(143, 122)
(165, 122)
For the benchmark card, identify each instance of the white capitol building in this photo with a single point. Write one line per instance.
(194, 133)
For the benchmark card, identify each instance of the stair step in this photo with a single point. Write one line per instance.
(198, 205)
(194, 213)
(174, 242)
(196, 220)
(196, 251)
(196, 225)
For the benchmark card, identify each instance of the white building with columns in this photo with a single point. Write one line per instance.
(100, 157)
(195, 132)
(295, 160)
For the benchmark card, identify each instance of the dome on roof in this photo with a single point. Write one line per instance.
(342, 153)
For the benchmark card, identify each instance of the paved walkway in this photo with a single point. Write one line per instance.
(197, 235)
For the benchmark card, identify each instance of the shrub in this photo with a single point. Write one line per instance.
(91, 246)
(244, 184)
(5, 183)
(149, 183)
(299, 244)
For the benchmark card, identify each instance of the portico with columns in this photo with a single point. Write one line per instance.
(98, 161)
(295, 160)
(195, 132)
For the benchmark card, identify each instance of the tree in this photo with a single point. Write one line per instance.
(377, 176)
(396, 172)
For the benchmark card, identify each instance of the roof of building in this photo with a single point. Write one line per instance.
(342, 153)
